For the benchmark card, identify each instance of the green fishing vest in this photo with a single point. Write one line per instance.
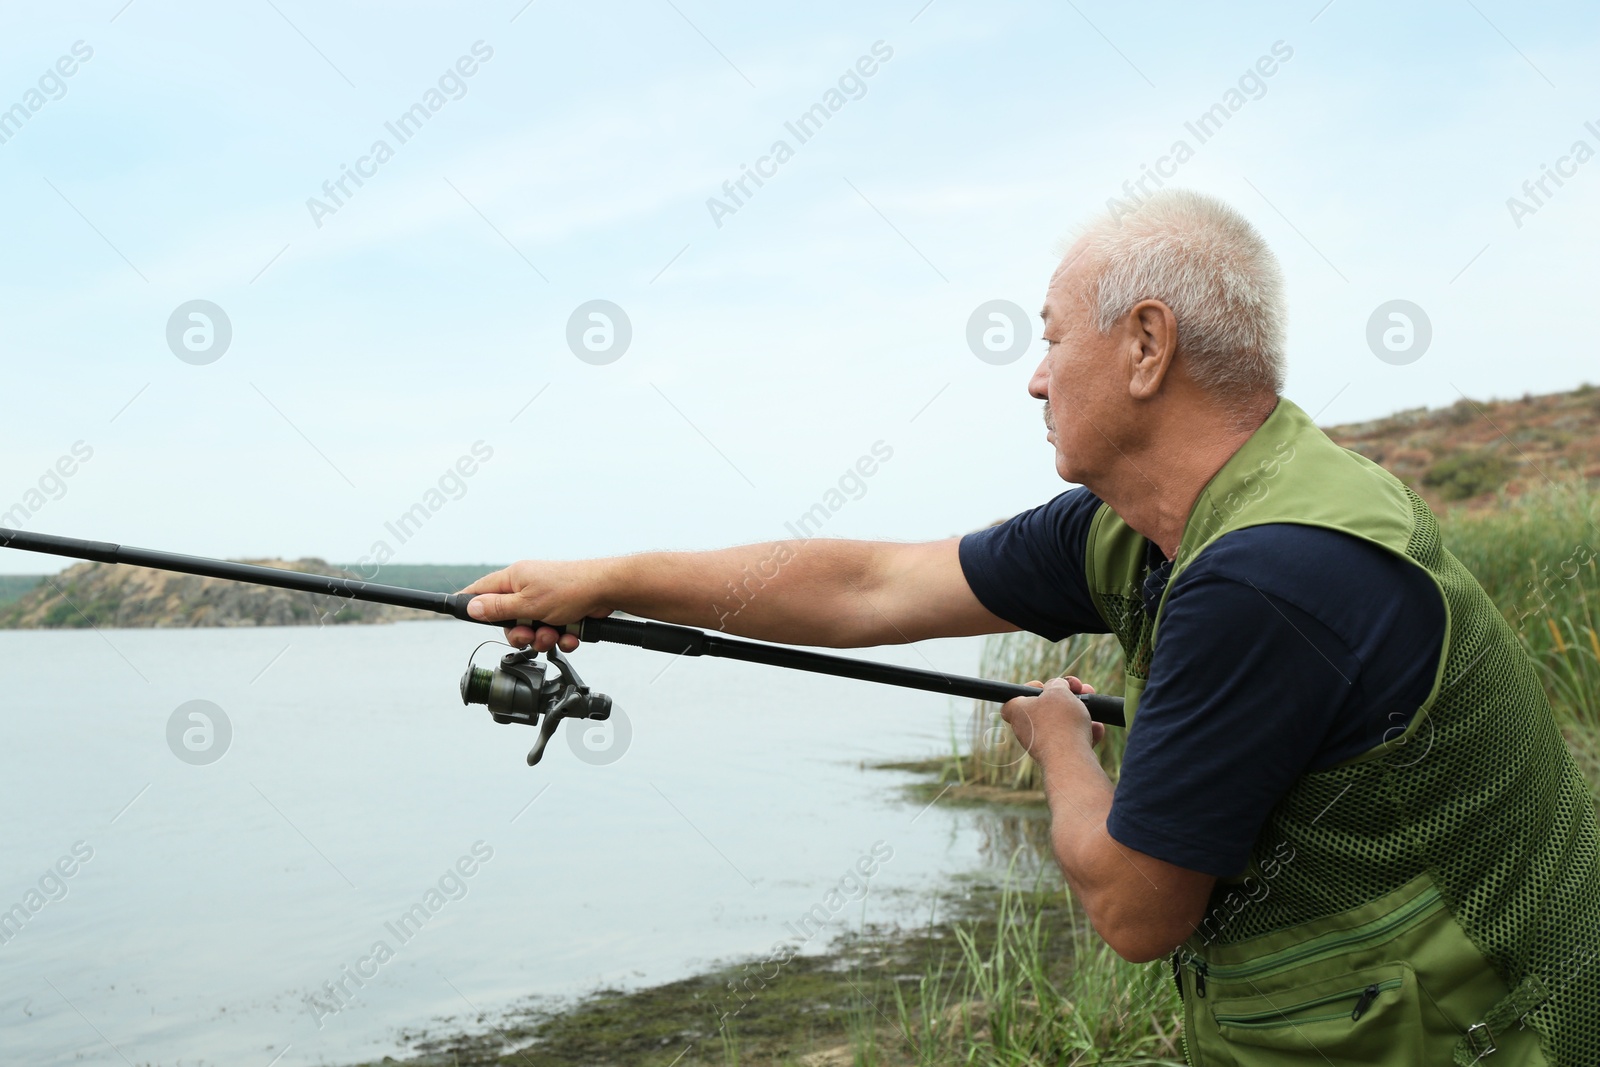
(1428, 900)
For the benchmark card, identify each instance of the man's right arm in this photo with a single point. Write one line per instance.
(826, 592)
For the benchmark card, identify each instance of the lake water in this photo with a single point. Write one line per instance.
(219, 903)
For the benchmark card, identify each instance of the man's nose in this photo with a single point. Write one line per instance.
(1039, 384)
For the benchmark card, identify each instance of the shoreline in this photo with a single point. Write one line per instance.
(820, 1009)
(814, 1010)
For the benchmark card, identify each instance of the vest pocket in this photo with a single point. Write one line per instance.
(1371, 1016)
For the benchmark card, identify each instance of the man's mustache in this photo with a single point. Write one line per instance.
(1049, 423)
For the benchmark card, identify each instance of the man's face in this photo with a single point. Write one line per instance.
(1077, 379)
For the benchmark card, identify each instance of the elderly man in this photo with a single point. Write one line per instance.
(1345, 808)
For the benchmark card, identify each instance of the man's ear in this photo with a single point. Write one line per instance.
(1152, 341)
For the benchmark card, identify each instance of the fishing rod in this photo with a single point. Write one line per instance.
(519, 690)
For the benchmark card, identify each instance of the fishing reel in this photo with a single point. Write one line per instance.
(520, 692)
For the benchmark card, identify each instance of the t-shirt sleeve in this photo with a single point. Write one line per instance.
(1242, 692)
(1029, 570)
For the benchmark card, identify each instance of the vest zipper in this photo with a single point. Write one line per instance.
(1407, 913)
(1293, 1014)
(1189, 1054)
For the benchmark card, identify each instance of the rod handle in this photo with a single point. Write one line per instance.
(1105, 709)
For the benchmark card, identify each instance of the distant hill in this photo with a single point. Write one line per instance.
(434, 577)
(1473, 449)
(12, 586)
(115, 596)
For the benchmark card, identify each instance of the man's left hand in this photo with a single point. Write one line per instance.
(1055, 717)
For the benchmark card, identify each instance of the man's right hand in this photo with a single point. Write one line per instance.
(556, 592)
(824, 592)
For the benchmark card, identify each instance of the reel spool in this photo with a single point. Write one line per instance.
(519, 691)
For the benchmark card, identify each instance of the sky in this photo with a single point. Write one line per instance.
(429, 342)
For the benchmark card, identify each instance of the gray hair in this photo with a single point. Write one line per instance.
(1209, 265)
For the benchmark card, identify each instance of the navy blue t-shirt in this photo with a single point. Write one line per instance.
(1284, 649)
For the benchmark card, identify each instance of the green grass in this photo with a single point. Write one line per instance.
(1034, 993)
(1535, 555)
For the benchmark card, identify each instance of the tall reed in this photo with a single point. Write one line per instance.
(1016, 999)
(1536, 557)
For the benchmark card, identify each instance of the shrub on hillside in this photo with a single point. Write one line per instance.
(1465, 474)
